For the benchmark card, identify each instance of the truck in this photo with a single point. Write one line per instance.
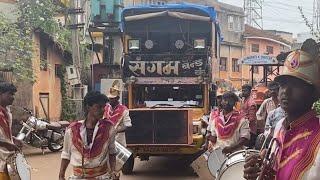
(171, 53)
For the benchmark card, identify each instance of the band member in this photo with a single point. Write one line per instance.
(268, 104)
(89, 145)
(7, 146)
(296, 152)
(229, 130)
(206, 120)
(249, 109)
(118, 114)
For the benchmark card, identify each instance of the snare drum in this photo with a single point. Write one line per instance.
(232, 168)
(18, 168)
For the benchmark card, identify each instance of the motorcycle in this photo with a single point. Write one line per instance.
(42, 134)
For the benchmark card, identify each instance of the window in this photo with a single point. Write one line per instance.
(235, 65)
(57, 69)
(269, 49)
(255, 48)
(255, 69)
(43, 55)
(223, 64)
(230, 23)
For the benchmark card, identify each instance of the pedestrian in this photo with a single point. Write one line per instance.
(7, 142)
(249, 109)
(118, 114)
(268, 104)
(229, 130)
(296, 152)
(89, 145)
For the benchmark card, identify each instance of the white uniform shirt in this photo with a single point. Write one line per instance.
(70, 152)
(124, 121)
(242, 131)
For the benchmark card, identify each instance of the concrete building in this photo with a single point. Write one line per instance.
(260, 42)
(288, 36)
(44, 96)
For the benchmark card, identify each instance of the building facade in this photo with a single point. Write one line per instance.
(260, 42)
(44, 96)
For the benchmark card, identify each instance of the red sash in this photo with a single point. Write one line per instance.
(225, 131)
(299, 147)
(114, 115)
(101, 138)
(4, 122)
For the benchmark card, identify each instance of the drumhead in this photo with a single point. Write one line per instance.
(23, 167)
(215, 160)
(233, 166)
(233, 172)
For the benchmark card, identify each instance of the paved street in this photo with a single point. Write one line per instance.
(46, 167)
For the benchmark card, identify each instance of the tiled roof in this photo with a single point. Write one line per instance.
(255, 32)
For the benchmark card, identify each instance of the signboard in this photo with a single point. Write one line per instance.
(258, 60)
(166, 66)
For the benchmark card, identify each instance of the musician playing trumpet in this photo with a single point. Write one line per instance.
(228, 129)
(295, 155)
(89, 145)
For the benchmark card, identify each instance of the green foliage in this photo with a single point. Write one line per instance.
(16, 50)
(40, 14)
(68, 106)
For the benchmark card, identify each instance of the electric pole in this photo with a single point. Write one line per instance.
(253, 13)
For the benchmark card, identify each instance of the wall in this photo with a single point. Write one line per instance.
(277, 49)
(46, 82)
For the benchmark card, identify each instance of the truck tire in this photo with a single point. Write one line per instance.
(128, 166)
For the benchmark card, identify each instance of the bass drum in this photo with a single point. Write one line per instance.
(18, 167)
(232, 168)
(215, 160)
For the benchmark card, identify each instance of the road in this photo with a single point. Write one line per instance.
(46, 167)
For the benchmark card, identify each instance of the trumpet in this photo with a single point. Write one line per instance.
(269, 160)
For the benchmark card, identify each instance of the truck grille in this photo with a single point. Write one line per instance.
(159, 127)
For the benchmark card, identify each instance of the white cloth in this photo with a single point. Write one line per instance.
(314, 172)
(242, 131)
(4, 153)
(70, 152)
(124, 121)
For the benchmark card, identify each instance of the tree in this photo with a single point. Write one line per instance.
(15, 50)
(316, 33)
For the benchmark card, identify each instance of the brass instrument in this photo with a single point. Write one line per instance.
(269, 159)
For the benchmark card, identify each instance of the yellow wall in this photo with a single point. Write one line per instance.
(46, 82)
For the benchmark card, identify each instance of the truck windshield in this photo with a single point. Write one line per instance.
(183, 96)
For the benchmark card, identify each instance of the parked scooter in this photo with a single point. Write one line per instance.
(41, 134)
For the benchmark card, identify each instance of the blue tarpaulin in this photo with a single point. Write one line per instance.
(181, 7)
(185, 7)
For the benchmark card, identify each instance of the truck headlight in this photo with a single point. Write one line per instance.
(199, 43)
(196, 127)
(134, 44)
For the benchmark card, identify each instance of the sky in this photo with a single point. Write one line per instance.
(283, 15)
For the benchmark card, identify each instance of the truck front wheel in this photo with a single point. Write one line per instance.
(127, 168)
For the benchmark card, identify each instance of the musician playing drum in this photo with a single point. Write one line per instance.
(89, 145)
(118, 114)
(296, 152)
(7, 146)
(228, 129)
